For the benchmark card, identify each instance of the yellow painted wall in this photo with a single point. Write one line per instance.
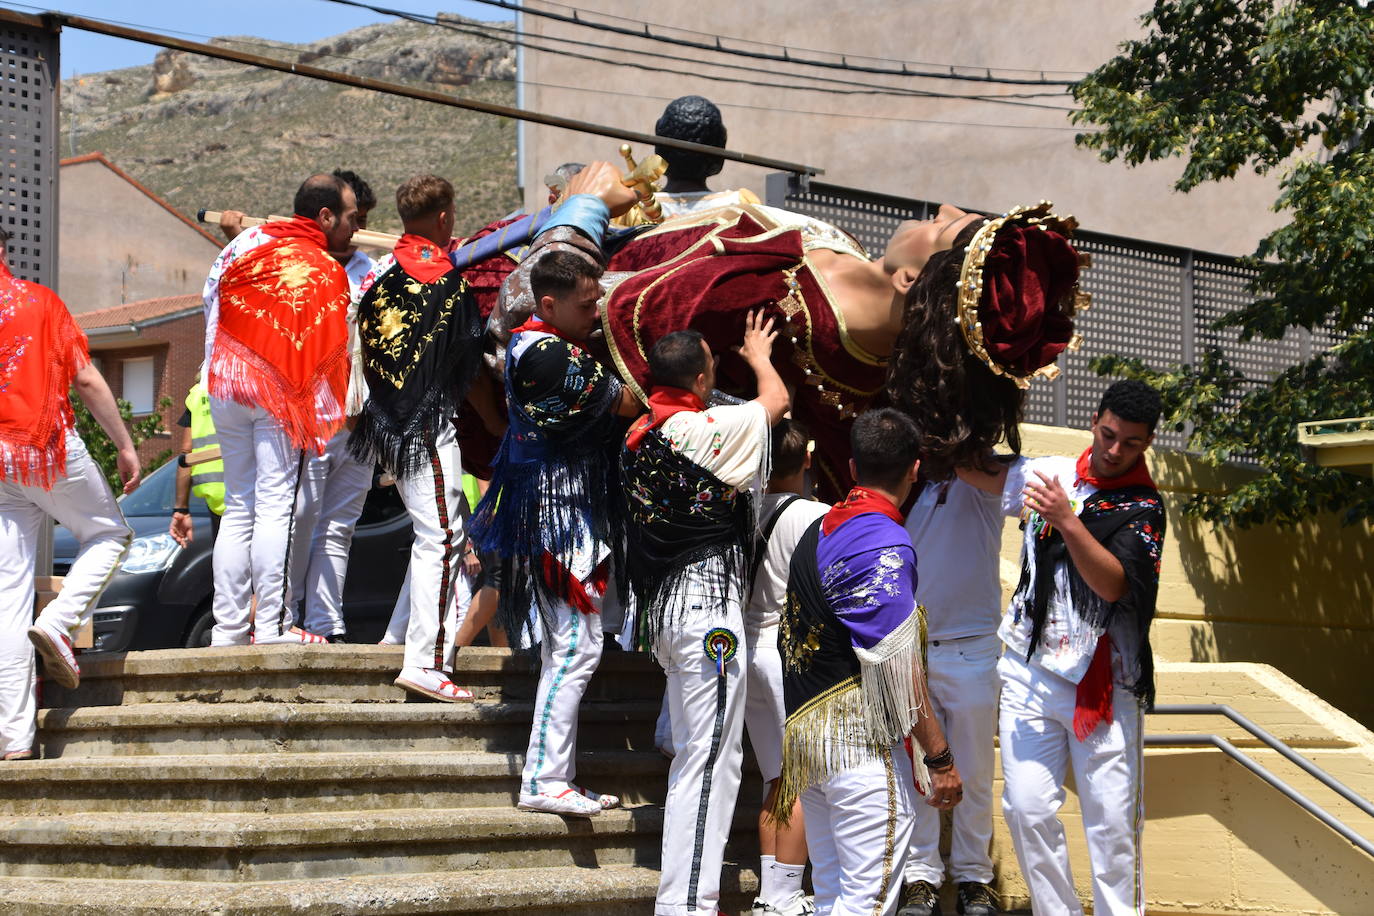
(1299, 599)
(1217, 839)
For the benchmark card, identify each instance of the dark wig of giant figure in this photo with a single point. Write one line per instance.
(961, 407)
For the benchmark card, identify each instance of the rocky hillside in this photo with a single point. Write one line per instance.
(205, 133)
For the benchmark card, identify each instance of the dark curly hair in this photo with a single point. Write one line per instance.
(696, 119)
(960, 406)
(1133, 401)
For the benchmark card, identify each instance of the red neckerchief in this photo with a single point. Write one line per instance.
(860, 501)
(297, 227)
(535, 323)
(664, 402)
(421, 258)
(1137, 476)
(1093, 700)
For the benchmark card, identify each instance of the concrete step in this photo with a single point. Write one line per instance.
(385, 728)
(320, 674)
(312, 844)
(614, 890)
(322, 781)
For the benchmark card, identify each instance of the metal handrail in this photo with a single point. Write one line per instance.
(1230, 750)
(1316, 772)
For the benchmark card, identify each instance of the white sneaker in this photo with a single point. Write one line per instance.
(800, 906)
(567, 802)
(605, 801)
(59, 661)
(293, 636)
(432, 683)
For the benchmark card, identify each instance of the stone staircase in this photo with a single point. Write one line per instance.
(277, 779)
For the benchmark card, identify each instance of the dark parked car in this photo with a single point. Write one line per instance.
(160, 597)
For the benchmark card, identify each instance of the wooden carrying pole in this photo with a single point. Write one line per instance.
(364, 238)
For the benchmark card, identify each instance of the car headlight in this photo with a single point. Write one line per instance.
(149, 554)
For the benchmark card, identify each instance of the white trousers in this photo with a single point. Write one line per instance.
(263, 506)
(764, 712)
(570, 650)
(333, 492)
(436, 593)
(82, 501)
(858, 829)
(962, 675)
(707, 712)
(1038, 746)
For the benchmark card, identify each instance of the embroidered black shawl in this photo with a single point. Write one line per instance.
(554, 485)
(679, 516)
(1129, 522)
(422, 346)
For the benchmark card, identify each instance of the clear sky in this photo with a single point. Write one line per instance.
(279, 20)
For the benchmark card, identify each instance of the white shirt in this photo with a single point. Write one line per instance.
(358, 267)
(956, 530)
(770, 583)
(729, 441)
(243, 243)
(1066, 644)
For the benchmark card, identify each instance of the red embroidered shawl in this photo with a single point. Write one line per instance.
(282, 341)
(41, 350)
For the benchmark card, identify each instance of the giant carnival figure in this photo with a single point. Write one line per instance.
(948, 325)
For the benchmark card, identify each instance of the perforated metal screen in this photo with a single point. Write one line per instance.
(28, 149)
(1155, 302)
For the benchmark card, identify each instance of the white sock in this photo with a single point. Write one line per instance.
(765, 876)
(783, 883)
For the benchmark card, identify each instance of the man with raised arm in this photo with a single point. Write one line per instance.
(420, 335)
(552, 516)
(692, 475)
(1078, 673)
(46, 472)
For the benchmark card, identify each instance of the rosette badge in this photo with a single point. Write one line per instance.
(1019, 292)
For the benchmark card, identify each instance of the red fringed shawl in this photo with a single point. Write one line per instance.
(282, 341)
(41, 350)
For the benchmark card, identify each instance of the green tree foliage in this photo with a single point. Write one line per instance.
(102, 449)
(1263, 85)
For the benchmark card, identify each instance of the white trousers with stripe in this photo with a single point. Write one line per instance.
(570, 651)
(1038, 747)
(707, 713)
(337, 485)
(858, 829)
(263, 506)
(436, 590)
(81, 500)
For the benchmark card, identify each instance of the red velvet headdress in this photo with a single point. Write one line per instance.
(1018, 292)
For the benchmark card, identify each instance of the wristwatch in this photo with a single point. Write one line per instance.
(181, 510)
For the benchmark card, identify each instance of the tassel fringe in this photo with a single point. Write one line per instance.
(308, 417)
(826, 737)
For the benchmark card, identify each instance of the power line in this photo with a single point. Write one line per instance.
(49, 19)
(474, 29)
(716, 46)
(277, 46)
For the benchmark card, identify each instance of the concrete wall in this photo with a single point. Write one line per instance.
(1299, 599)
(118, 244)
(914, 147)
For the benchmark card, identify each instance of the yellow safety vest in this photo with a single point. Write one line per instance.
(207, 480)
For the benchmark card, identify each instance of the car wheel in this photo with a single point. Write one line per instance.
(198, 634)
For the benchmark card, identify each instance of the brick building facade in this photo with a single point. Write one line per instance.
(149, 351)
